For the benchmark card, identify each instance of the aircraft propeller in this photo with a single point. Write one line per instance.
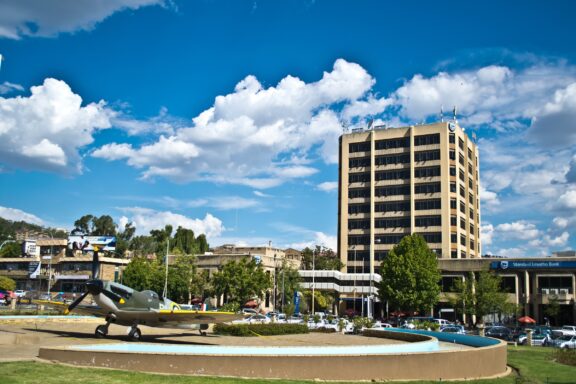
(95, 286)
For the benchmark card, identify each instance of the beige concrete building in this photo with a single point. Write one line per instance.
(397, 181)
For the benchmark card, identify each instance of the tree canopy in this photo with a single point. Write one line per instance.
(7, 284)
(241, 281)
(323, 258)
(410, 276)
(480, 296)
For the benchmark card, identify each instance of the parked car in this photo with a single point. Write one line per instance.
(537, 339)
(20, 293)
(295, 319)
(254, 319)
(377, 326)
(566, 330)
(453, 329)
(499, 332)
(249, 311)
(565, 342)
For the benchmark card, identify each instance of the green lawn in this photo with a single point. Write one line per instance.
(534, 365)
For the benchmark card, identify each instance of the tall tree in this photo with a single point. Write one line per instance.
(11, 249)
(85, 224)
(320, 258)
(7, 284)
(481, 296)
(240, 281)
(410, 276)
(103, 226)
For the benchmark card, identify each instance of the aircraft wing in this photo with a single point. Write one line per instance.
(82, 309)
(197, 317)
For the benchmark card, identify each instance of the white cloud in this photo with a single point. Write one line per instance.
(145, 220)
(568, 199)
(15, 214)
(261, 194)
(489, 199)
(42, 18)
(486, 234)
(46, 130)
(8, 87)
(255, 136)
(327, 186)
(232, 202)
(521, 230)
(319, 238)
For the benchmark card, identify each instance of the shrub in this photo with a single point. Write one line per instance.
(230, 307)
(259, 329)
(565, 356)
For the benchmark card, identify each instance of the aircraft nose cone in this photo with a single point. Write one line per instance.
(94, 286)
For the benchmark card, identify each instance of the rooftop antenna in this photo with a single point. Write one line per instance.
(370, 122)
(344, 124)
(442, 113)
(454, 114)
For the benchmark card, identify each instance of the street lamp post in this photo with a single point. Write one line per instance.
(354, 247)
(313, 278)
(274, 287)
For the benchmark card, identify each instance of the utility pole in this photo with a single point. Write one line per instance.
(313, 278)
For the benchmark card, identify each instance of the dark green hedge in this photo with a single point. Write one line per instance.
(259, 329)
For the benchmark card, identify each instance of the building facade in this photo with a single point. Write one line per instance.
(397, 181)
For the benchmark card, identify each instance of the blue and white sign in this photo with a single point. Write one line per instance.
(529, 264)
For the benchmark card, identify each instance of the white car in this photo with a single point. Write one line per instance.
(565, 342)
(566, 330)
(20, 293)
(254, 319)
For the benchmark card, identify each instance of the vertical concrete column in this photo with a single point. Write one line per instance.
(372, 198)
(526, 291)
(412, 199)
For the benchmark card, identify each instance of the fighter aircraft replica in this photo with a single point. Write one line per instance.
(122, 305)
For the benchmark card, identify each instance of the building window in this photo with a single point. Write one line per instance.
(432, 237)
(427, 155)
(358, 208)
(359, 147)
(471, 214)
(355, 193)
(463, 240)
(472, 245)
(472, 230)
(453, 203)
(400, 222)
(461, 143)
(470, 184)
(454, 254)
(389, 239)
(463, 254)
(428, 221)
(358, 224)
(463, 192)
(401, 174)
(422, 205)
(392, 206)
(452, 154)
(358, 240)
(453, 221)
(463, 223)
(427, 188)
(356, 162)
(403, 158)
(452, 138)
(452, 171)
(402, 142)
(470, 154)
(380, 255)
(359, 177)
(427, 139)
(462, 176)
(394, 190)
(470, 170)
(461, 159)
(453, 238)
(462, 207)
(427, 172)
(471, 199)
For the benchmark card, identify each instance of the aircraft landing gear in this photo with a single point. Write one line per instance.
(135, 334)
(102, 330)
(203, 328)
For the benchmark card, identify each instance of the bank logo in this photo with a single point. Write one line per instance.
(504, 264)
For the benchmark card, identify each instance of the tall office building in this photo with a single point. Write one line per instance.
(398, 181)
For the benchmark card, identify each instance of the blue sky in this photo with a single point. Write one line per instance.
(224, 116)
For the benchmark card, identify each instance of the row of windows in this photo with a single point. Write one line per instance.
(359, 177)
(359, 147)
(402, 158)
(428, 221)
(427, 188)
(394, 190)
(398, 222)
(422, 205)
(354, 193)
(427, 155)
(358, 208)
(392, 206)
(432, 237)
(402, 174)
(427, 172)
(355, 162)
(427, 139)
(402, 142)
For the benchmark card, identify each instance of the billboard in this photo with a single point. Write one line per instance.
(87, 243)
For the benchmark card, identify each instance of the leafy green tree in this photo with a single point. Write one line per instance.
(552, 310)
(321, 258)
(85, 224)
(12, 249)
(7, 284)
(481, 296)
(240, 281)
(181, 278)
(140, 274)
(184, 239)
(410, 276)
(287, 281)
(103, 226)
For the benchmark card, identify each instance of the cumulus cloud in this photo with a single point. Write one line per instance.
(318, 238)
(568, 199)
(145, 220)
(486, 234)
(43, 19)
(496, 97)
(46, 130)
(521, 230)
(255, 136)
(14, 214)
